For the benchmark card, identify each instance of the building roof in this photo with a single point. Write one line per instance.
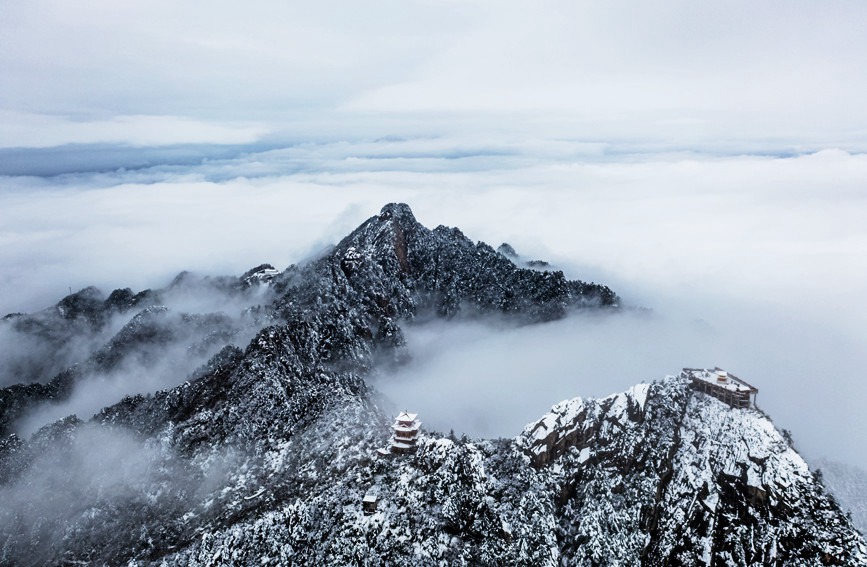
(404, 416)
(406, 428)
(728, 382)
(372, 494)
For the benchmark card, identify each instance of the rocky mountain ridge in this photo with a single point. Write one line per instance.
(261, 451)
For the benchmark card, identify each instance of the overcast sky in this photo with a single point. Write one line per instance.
(704, 160)
(784, 72)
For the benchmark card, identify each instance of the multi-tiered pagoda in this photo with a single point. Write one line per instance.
(404, 434)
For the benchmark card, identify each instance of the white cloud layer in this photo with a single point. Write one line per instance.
(31, 130)
(753, 263)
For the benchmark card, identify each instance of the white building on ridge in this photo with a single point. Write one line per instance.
(723, 386)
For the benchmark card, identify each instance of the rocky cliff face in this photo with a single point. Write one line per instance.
(262, 451)
(661, 474)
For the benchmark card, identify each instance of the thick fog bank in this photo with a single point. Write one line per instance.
(483, 379)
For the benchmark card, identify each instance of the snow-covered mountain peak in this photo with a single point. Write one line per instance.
(399, 213)
(262, 446)
(700, 478)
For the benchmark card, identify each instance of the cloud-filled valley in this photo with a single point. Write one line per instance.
(753, 263)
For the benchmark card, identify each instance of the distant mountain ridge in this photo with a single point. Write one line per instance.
(262, 451)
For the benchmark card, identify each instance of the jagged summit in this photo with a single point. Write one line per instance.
(400, 213)
(262, 447)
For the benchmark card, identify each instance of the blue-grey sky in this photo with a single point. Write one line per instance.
(706, 160)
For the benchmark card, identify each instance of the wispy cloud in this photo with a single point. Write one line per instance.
(30, 130)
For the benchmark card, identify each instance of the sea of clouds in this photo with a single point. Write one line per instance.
(753, 263)
(706, 161)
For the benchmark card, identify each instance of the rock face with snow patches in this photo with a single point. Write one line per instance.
(264, 449)
(664, 475)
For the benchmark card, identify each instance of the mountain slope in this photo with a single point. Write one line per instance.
(653, 476)
(848, 484)
(685, 479)
(263, 453)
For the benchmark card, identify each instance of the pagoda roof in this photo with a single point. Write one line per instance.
(404, 416)
(406, 428)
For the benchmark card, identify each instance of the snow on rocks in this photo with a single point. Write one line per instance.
(575, 422)
(266, 453)
(662, 473)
